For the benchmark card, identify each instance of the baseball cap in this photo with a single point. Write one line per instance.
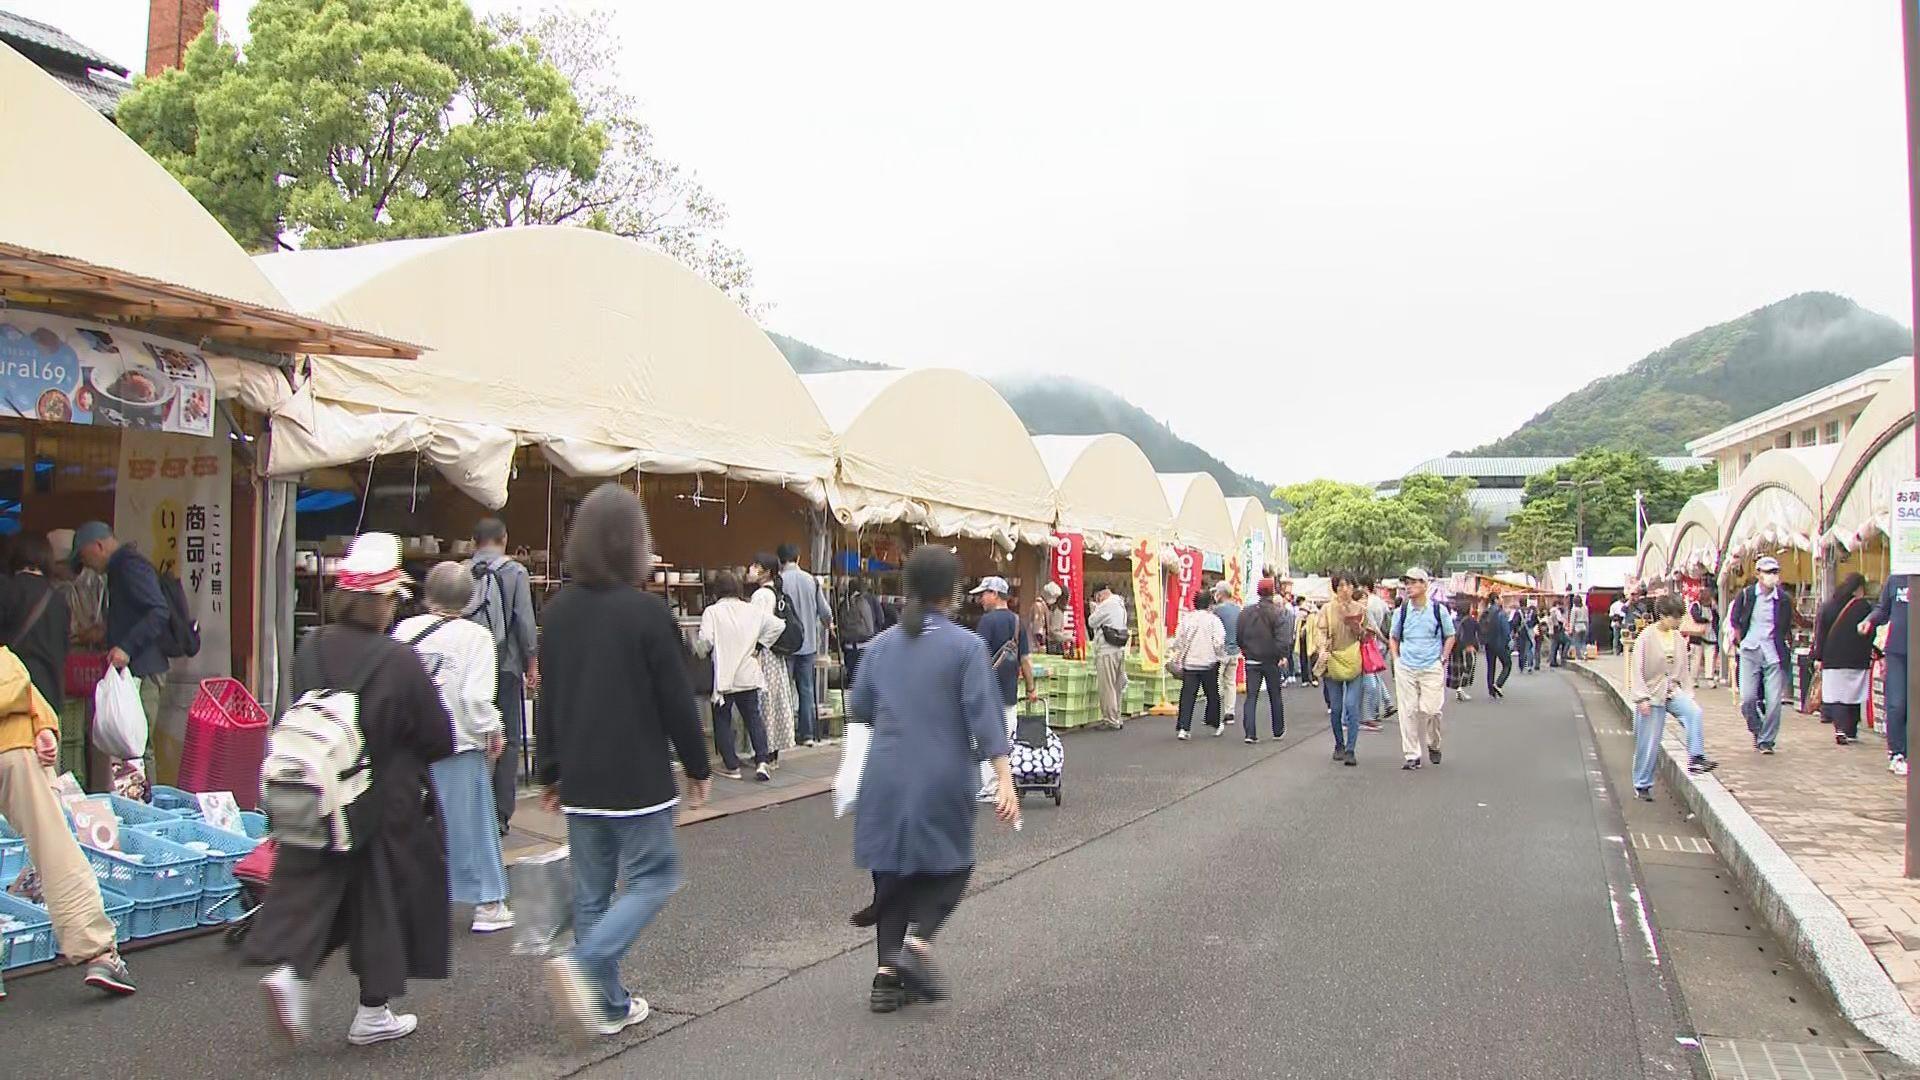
(992, 585)
(86, 534)
(1768, 565)
(1416, 574)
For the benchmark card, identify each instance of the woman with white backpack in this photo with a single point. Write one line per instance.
(364, 866)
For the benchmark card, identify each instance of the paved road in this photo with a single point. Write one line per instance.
(1195, 909)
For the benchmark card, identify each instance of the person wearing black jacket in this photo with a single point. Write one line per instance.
(613, 694)
(1844, 656)
(1466, 643)
(1496, 637)
(1891, 612)
(34, 618)
(1266, 632)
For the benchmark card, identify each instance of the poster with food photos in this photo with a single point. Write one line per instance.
(71, 371)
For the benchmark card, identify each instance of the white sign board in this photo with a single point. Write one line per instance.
(1905, 519)
(1577, 575)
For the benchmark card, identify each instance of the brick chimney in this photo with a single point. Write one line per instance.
(171, 27)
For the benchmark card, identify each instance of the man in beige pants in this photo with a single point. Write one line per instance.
(1107, 632)
(1421, 633)
(29, 743)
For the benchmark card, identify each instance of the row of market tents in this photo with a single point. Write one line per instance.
(1823, 511)
(600, 353)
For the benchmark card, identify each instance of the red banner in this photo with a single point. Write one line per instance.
(1068, 569)
(1186, 568)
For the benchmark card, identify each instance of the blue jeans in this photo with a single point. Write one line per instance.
(463, 784)
(1760, 678)
(800, 666)
(1344, 702)
(1897, 703)
(639, 855)
(1648, 723)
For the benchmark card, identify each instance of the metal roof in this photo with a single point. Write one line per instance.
(1522, 466)
(29, 36)
(99, 89)
(1493, 506)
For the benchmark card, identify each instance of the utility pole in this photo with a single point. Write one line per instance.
(1579, 488)
(1910, 36)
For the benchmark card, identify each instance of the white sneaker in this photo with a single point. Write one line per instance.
(488, 918)
(571, 994)
(1900, 765)
(379, 1025)
(637, 1011)
(287, 1002)
(1181, 735)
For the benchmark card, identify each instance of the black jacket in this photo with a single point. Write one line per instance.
(1741, 617)
(43, 648)
(1837, 641)
(136, 611)
(613, 693)
(1265, 633)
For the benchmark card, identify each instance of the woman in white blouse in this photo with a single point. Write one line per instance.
(734, 632)
(1198, 650)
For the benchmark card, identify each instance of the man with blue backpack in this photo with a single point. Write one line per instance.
(1422, 640)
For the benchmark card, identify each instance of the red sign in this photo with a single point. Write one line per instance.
(1068, 569)
(1187, 564)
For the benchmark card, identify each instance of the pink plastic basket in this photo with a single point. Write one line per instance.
(226, 741)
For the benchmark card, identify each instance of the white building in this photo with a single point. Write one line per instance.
(1820, 418)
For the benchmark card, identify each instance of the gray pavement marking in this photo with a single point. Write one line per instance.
(1693, 845)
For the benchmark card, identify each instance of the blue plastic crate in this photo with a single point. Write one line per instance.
(138, 815)
(160, 870)
(29, 931)
(13, 859)
(223, 849)
(120, 910)
(254, 823)
(151, 918)
(222, 906)
(183, 803)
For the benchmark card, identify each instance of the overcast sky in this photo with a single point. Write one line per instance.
(1318, 239)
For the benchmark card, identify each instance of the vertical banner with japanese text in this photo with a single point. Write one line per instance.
(1067, 569)
(1235, 576)
(1146, 603)
(1253, 563)
(172, 501)
(1186, 569)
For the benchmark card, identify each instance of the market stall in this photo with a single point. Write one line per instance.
(135, 336)
(1105, 490)
(1695, 545)
(1858, 491)
(1650, 566)
(1776, 509)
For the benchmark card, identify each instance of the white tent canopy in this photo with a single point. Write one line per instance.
(608, 354)
(1876, 455)
(1776, 503)
(1105, 490)
(1695, 549)
(1277, 555)
(1200, 517)
(1650, 562)
(935, 448)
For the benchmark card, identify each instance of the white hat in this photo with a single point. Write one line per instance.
(1051, 591)
(1416, 574)
(992, 585)
(372, 565)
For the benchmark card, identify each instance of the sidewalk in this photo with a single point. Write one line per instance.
(803, 772)
(1838, 816)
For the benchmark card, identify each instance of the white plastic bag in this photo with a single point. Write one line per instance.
(119, 723)
(541, 888)
(853, 765)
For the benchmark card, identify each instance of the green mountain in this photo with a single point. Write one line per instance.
(1059, 405)
(1709, 379)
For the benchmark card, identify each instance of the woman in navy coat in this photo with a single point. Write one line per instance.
(925, 687)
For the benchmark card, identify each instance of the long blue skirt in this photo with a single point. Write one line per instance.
(464, 784)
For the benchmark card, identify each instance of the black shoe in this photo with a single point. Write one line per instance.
(1434, 753)
(1411, 764)
(917, 973)
(1766, 748)
(1251, 739)
(1645, 794)
(1700, 765)
(888, 993)
(1339, 754)
(865, 917)
(1351, 759)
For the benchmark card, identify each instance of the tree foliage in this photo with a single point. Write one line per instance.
(636, 193)
(1366, 536)
(1534, 538)
(349, 121)
(1441, 501)
(1610, 478)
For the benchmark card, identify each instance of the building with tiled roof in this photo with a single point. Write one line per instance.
(96, 79)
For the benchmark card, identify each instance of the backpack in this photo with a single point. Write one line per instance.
(794, 635)
(486, 584)
(1400, 627)
(181, 637)
(317, 766)
(856, 619)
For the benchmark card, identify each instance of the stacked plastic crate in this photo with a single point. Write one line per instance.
(1145, 688)
(1072, 689)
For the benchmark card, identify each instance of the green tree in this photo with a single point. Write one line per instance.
(1315, 494)
(1441, 501)
(1534, 538)
(1608, 479)
(1371, 537)
(349, 121)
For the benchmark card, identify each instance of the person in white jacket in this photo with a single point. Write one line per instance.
(459, 655)
(1198, 650)
(733, 632)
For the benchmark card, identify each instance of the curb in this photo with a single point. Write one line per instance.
(1819, 936)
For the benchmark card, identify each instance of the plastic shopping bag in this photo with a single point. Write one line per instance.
(119, 722)
(853, 765)
(540, 889)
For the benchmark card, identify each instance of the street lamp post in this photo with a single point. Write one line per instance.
(1910, 36)
(1579, 488)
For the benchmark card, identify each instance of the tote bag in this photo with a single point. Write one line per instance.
(1372, 660)
(853, 766)
(1343, 665)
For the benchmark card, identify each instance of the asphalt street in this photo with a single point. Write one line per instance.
(1198, 909)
